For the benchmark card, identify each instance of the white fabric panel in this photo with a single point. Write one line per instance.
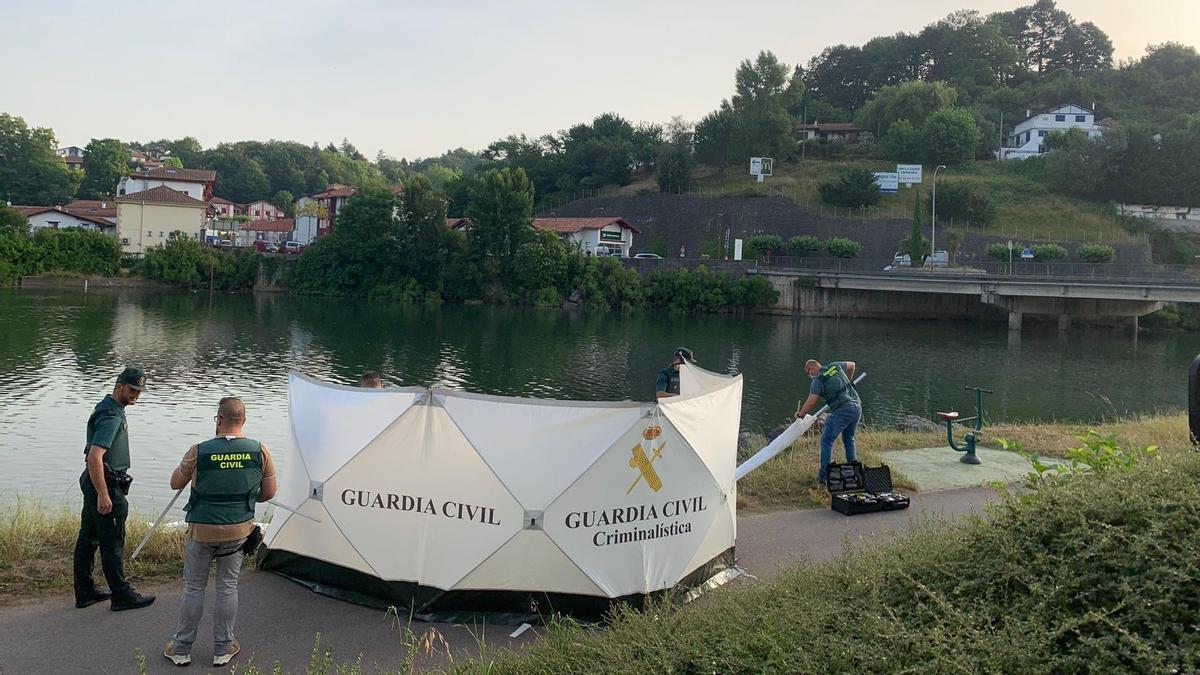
(710, 423)
(784, 440)
(530, 562)
(291, 485)
(720, 537)
(574, 522)
(332, 423)
(561, 441)
(322, 540)
(694, 380)
(433, 509)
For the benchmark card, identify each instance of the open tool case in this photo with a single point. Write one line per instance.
(855, 489)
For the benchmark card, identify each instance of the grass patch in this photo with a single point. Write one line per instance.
(1025, 209)
(789, 481)
(37, 544)
(1092, 574)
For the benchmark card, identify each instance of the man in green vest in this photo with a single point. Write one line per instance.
(104, 483)
(832, 385)
(229, 475)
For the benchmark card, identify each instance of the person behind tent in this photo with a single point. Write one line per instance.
(668, 378)
(229, 474)
(370, 380)
(833, 385)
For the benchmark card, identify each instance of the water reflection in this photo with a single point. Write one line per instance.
(59, 353)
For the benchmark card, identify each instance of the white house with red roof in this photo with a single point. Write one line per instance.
(195, 183)
(595, 236)
(272, 231)
(263, 210)
(223, 208)
(60, 217)
(316, 213)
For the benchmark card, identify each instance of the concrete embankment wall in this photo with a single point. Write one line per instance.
(799, 297)
(89, 282)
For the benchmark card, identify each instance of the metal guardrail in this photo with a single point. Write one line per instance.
(1061, 271)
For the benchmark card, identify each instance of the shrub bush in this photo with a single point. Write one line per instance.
(840, 247)
(998, 250)
(547, 297)
(1048, 252)
(854, 188)
(805, 245)
(763, 245)
(407, 292)
(1096, 253)
(963, 201)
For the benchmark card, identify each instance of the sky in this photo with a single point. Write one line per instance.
(415, 79)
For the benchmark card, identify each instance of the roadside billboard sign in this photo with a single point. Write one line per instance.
(909, 173)
(888, 182)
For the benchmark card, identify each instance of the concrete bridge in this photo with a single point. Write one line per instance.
(971, 294)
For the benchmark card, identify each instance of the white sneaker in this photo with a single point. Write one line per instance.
(226, 658)
(177, 659)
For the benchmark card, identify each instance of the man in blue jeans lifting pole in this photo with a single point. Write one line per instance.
(832, 385)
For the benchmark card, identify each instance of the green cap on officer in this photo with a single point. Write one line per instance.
(133, 377)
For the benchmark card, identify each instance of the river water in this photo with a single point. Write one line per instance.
(60, 352)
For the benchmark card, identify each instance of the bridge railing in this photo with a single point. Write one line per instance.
(1165, 274)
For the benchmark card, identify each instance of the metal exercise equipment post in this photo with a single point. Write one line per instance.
(951, 418)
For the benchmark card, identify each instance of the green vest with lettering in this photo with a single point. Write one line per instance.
(228, 475)
(836, 387)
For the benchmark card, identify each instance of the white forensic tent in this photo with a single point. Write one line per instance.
(455, 503)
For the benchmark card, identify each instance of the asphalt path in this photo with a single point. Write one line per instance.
(279, 619)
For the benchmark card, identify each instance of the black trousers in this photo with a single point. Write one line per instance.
(103, 531)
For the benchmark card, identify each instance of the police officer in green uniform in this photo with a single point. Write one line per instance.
(833, 384)
(229, 475)
(104, 483)
(668, 378)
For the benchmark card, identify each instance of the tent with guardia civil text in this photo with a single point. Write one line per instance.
(447, 504)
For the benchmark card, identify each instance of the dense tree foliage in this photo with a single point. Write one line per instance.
(105, 162)
(30, 171)
(52, 250)
(852, 189)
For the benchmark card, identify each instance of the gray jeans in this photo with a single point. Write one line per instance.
(197, 560)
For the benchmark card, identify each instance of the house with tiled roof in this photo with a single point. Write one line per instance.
(59, 218)
(263, 210)
(828, 131)
(196, 183)
(1028, 138)
(316, 213)
(223, 208)
(147, 218)
(72, 155)
(271, 231)
(606, 236)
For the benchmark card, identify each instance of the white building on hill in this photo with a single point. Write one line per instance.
(1028, 139)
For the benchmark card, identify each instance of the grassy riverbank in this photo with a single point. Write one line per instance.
(37, 541)
(790, 480)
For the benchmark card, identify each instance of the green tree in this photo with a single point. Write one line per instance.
(916, 246)
(912, 101)
(960, 200)
(105, 162)
(284, 200)
(12, 222)
(501, 211)
(853, 188)
(951, 136)
(423, 237)
(718, 135)
(674, 164)
(240, 178)
(30, 171)
(903, 142)
(541, 262)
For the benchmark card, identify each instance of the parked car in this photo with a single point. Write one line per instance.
(292, 247)
(935, 259)
(647, 256)
(225, 243)
(263, 246)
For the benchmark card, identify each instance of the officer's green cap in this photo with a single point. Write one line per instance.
(134, 377)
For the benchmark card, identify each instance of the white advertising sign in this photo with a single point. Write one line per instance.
(909, 174)
(888, 182)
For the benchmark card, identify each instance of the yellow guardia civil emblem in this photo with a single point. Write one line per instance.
(645, 464)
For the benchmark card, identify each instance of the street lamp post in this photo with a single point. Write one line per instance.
(933, 225)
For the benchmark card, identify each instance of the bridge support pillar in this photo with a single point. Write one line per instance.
(1064, 323)
(1014, 320)
(1131, 324)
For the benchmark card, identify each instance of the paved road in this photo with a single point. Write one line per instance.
(279, 619)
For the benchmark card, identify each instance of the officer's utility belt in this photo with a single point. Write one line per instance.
(252, 541)
(117, 479)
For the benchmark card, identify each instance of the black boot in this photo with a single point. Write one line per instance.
(88, 599)
(131, 600)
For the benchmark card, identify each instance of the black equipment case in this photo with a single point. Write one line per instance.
(855, 489)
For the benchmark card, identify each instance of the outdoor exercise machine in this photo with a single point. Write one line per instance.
(951, 418)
